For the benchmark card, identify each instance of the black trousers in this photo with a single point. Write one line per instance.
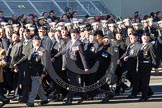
(75, 80)
(144, 79)
(2, 97)
(26, 82)
(120, 84)
(133, 76)
(63, 75)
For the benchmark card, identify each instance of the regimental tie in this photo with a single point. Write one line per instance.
(35, 52)
(131, 45)
(25, 42)
(143, 46)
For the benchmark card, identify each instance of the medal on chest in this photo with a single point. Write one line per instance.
(145, 52)
(131, 52)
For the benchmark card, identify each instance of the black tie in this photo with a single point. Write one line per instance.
(129, 48)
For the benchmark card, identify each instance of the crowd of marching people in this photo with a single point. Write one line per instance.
(33, 50)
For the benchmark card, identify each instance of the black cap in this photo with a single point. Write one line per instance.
(26, 30)
(107, 36)
(88, 27)
(99, 32)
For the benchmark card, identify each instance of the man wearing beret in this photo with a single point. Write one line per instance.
(146, 59)
(38, 71)
(130, 57)
(74, 52)
(45, 40)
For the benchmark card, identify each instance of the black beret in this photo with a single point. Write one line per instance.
(42, 28)
(74, 31)
(134, 33)
(26, 30)
(107, 36)
(146, 34)
(88, 27)
(99, 32)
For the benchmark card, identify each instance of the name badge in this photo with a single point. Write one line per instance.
(76, 48)
(115, 49)
(145, 61)
(145, 52)
(92, 49)
(40, 53)
(105, 54)
(131, 52)
(153, 42)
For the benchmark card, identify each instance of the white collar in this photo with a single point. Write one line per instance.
(73, 40)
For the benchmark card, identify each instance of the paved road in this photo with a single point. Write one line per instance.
(118, 102)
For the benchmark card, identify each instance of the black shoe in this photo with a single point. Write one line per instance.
(124, 88)
(132, 96)
(150, 94)
(117, 93)
(6, 101)
(129, 89)
(30, 104)
(105, 100)
(1, 105)
(68, 102)
(44, 102)
(81, 100)
(110, 95)
(23, 101)
(143, 99)
(16, 98)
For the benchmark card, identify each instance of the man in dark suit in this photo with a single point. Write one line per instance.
(74, 51)
(38, 71)
(120, 68)
(4, 42)
(130, 57)
(9, 32)
(58, 46)
(59, 63)
(23, 63)
(112, 31)
(46, 42)
(14, 54)
(146, 59)
(104, 55)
